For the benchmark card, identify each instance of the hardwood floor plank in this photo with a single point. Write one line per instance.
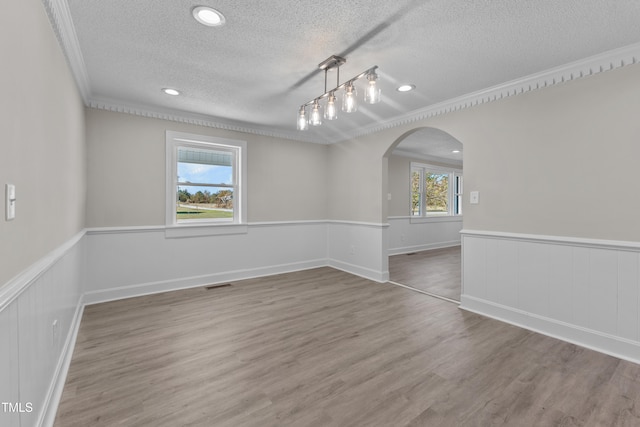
(325, 348)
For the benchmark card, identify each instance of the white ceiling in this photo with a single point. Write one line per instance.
(256, 70)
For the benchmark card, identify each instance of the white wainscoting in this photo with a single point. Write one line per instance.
(127, 262)
(580, 290)
(130, 262)
(409, 234)
(9, 363)
(359, 248)
(35, 355)
(106, 264)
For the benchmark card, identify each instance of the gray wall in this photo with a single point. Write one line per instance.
(555, 161)
(42, 145)
(399, 173)
(126, 159)
(559, 161)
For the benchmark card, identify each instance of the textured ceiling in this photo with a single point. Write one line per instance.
(258, 68)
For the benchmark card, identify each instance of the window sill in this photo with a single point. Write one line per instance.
(428, 219)
(201, 230)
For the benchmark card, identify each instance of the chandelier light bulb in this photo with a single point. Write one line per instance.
(316, 114)
(303, 123)
(331, 112)
(372, 93)
(349, 102)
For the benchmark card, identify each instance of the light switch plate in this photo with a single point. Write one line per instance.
(10, 201)
(474, 197)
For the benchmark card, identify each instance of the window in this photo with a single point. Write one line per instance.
(435, 191)
(206, 179)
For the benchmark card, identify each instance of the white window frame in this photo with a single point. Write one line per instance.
(457, 195)
(238, 148)
(453, 173)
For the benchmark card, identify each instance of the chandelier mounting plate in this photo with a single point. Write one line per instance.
(331, 62)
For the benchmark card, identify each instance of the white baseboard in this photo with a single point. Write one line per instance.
(357, 270)
(588, 338)
(411, 234)
(122, 292)
(113, 294)
(52, 400)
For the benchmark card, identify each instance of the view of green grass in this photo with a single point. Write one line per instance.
(184, 212)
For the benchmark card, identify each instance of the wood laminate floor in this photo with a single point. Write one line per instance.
(325, 348)
(436, 271)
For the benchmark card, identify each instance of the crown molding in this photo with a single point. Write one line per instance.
(62, 24)
(200, 120)
(596, 64)
(61, 21)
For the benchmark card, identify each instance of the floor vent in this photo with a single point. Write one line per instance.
(211, 287)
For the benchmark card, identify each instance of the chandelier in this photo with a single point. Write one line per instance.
(349, 100)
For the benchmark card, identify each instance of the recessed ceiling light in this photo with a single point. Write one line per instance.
(169, 91)
(208, 16)
(406, 88)
(455, 151)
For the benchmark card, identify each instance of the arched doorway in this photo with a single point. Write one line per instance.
(424, 213)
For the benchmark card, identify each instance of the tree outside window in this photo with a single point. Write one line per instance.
(435, 191)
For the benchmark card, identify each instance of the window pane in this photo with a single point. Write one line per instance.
(458, 196)
(415, 193)
(194, 203)
(437, 193)
(204, 166)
